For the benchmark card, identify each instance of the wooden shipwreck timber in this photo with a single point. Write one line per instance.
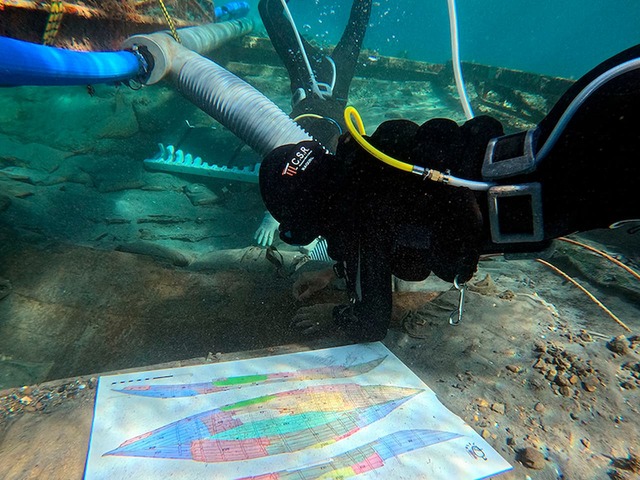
(95, 25)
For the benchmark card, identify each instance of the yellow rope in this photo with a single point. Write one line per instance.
(172, 26)
(585, 291)
(53, 22)
(603, 254)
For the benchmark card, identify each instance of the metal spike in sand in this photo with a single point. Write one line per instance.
(171, 160)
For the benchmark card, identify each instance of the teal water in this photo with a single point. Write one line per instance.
(561, 38)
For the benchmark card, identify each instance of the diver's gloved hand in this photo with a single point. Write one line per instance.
(310, 283)
(315, 319)
(267, 231)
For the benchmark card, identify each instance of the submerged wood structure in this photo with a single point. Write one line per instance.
(92, 24)
(103, 25)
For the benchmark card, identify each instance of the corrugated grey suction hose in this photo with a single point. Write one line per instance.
(237, 105)
(231, 101)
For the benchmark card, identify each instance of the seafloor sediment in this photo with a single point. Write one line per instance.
(107, 265)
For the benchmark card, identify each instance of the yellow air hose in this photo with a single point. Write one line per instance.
(351, 114)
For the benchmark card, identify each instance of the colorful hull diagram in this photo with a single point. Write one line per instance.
(229, 383)
(269, 425)
(366, 458)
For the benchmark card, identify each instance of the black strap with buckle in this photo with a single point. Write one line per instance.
(515, 210)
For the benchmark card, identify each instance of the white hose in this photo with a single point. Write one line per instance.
(614, 72)
(457, 68)
(328, 93)
(470, 184)
(314, 83)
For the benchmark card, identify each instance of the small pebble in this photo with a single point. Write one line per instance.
(585, 336)
(590, 384)
(540, 347)
(619, 345)
(498, 408)
(539, 407)
(566, 391)
(507, 295)
(531, 458)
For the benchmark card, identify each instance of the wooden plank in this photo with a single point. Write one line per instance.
(84, 11)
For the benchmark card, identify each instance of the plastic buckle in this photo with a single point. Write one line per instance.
(515, 213)
(510, 155)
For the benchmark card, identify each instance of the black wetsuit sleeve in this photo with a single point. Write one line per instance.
(590, 177)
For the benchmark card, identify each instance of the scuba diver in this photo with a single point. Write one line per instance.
(474, 191)
(319, 81)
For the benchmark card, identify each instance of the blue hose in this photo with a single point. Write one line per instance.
(24, 63)
(231, 11)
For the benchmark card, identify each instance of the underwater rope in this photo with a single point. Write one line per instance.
(586, 292)
(351, 114)
(602, 254)
(172, 25)
(53, 22)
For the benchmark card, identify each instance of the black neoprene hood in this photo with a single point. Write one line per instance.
(295, 184)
